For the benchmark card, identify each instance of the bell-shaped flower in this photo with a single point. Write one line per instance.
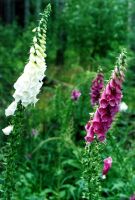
(11, 109)
(107, 166)
(8, 130)
(96, 88)
(123, 107)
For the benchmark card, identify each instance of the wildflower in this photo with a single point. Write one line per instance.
(123, 107)
(27, 88)
(107, 166)
(97, 86)
(90, 132)
(75, 95)
(28, 85)
(132, 197)
(11, 109)
(108, 104)
(8, 130)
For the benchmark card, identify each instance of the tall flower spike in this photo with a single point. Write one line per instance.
(28, 85)
(108, 104)
(96, 88)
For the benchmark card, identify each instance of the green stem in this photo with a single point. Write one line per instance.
(12, 151)
(91, 171)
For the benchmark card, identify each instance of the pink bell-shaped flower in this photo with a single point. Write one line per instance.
(107, 165)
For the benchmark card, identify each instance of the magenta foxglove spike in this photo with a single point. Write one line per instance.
(109, 104)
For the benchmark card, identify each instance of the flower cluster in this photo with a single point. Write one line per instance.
(96, 88)
(108, 104)
(107, 166)
(75, 95)
(28, 85)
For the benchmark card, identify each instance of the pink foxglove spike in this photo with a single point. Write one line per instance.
(109, 102)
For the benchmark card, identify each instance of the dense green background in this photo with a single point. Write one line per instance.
(82, 35)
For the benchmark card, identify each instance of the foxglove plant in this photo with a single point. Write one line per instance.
(98, 125)
(27, 87)
(109, 104)
(96, 88)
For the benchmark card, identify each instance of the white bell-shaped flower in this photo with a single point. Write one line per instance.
(11, 109)
(123, 106)
(7, 130)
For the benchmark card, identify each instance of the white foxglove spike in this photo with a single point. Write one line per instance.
(28, 85)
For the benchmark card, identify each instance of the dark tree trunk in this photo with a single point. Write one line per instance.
(62, 36)
(131, 24)
(8, 11)
(26, 12)
(60, 52)
(20, 11)
(38, 8)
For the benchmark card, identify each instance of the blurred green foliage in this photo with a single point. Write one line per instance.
(96, 27)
